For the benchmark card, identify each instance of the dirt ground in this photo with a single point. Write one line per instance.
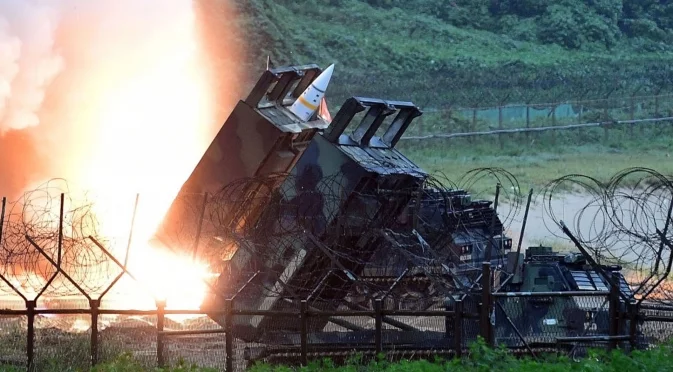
(581, 215)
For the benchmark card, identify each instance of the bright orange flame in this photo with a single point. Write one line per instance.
(151, 132)
(162, 276)
(133, 115)
(148, 118)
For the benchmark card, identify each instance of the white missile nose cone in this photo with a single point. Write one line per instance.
(322, 81)
(308, 102)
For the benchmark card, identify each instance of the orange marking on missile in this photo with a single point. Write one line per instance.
(306, 103)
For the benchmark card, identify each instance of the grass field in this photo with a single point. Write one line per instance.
(535, 165)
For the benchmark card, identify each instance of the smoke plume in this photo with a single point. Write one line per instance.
(112, 92)
(28, 61)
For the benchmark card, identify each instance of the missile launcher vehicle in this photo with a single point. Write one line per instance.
(298, 210)
(289, 206)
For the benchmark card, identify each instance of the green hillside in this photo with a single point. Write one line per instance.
(443, 54)
(471, 52)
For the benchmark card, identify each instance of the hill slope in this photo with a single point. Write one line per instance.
(469, 52)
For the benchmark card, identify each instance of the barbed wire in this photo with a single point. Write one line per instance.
(335, 237)
(35, 222)
(359, 233)
(624, 220)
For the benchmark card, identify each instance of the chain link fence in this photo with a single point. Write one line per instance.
(62, 337)
(604, 121)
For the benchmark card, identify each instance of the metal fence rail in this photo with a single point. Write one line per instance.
(603, 124)
(610, 113)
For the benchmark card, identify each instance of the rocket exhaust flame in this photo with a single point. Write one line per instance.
(124, 107)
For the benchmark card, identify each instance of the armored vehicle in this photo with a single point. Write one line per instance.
(549, 295)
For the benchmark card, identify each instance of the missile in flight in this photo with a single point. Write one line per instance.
(309, 101)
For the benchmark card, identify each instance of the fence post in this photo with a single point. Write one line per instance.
(656, 105)
(633, 325)
(485, 311)
(95, 305)
(449, 116)
(228, 335)
(632, 115)
(500, 140)
(553, 124)
(657, 114)
(449, 128)
(606, 117)
(378, 331)
(161, 306)
(304, 332)
(30, 334)
(614, 311)
(458, 328)
(2, 215)
(447, 320)
(474, 120)
(580, 114)
(527, 122)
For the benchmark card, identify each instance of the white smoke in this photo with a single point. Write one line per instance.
(117, 97)
(66, 67)
(28, 60)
